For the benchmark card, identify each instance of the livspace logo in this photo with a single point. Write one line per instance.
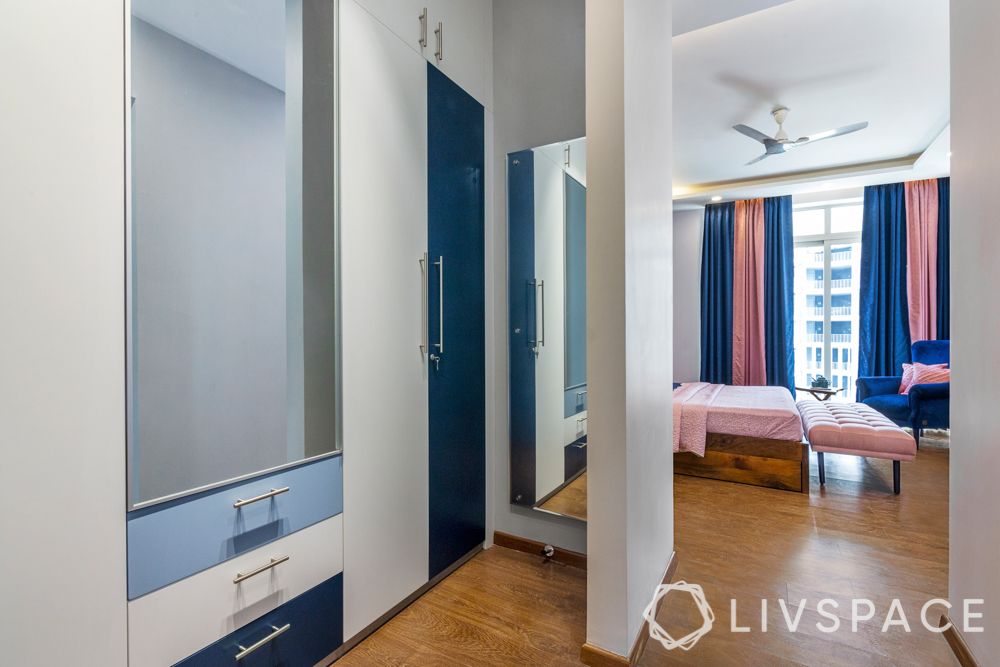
(861, 611)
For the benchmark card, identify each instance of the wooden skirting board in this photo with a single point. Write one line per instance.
(595, 656)
(564, 556)
(777, 464)
(957, 643)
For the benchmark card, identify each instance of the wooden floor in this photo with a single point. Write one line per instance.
(501, 608)
(850, 539)
(571, 501)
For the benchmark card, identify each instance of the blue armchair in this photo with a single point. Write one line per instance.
(926, 406)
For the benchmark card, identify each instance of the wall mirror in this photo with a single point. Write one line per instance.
(547, 318)
(231, 304)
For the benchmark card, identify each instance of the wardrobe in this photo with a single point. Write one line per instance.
(290, 554)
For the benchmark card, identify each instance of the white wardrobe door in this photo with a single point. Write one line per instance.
(383, 167)
(550, 364)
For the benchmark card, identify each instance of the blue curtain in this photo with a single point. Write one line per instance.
(779, 288)
(884, 340)
(717, 294)
(943, 262)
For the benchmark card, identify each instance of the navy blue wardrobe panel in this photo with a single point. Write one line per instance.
(521, 332)
(575, 399)
(457, 386)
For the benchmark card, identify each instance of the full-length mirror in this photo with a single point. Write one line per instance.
(547, 317)
(232, 241)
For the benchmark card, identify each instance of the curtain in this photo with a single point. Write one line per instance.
(779, 289)
(884, 339)
(943, 261)
(921, 253)
(749, 364)
(717, 294)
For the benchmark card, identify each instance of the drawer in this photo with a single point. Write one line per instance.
(308, 628)
(176, 539)
(176, 621)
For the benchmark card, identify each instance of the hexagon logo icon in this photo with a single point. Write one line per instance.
(687, 642)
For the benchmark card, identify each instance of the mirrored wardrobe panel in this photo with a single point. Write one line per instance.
(232, 360)
(547, 272)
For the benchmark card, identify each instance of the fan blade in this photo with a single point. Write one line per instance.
(840, 131)
(756, 135)
(756, 159)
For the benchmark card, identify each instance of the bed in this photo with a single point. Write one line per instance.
(751, 435)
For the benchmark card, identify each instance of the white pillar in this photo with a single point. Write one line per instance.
(975, 358)
(629, 305)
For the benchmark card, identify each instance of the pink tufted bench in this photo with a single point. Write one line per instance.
(855, 428)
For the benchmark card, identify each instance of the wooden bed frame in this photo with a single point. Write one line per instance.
(777, 464)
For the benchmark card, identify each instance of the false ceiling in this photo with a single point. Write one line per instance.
(832, 63)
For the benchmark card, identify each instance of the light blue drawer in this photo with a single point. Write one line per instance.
(177, 539)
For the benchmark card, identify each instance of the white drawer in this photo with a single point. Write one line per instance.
(170, 624)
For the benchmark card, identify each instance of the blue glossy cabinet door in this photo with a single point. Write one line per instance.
(456, 302)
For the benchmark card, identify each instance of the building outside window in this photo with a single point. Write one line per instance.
(827, 269)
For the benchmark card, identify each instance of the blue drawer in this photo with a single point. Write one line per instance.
(177, 539)
(316, 629)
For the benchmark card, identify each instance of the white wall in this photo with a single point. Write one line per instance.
(975, 359)
(538, 99)
(688, 226)
(62, 394)
(209, 265)
(629, 306)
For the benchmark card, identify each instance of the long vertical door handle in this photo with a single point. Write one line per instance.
(440, 264)
(439, 33)
(541, 338)
(423, 28)
(424, 305)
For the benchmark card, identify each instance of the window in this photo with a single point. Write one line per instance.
(827, 265)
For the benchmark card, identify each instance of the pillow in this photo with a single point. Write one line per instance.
(929, 374)
(907, 382)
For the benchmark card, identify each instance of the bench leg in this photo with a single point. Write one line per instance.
(822, 468)
(895, 477)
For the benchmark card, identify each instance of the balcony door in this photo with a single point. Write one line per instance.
(827, 268)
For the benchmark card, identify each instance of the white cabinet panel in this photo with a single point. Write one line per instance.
(170, 624)
(467, 37)
(383, 165)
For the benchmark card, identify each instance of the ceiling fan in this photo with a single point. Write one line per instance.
(780, 143)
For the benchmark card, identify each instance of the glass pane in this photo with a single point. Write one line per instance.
(846, 219)
(845, 265)
(231, 285)
(808, 314)
(810, 222)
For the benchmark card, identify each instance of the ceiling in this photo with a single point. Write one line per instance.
(831, 62)
(690, 15)
(247, 34)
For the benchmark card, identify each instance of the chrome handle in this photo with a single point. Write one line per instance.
(425, 320)
(244, 652)
(423, 28)
(439, 33)
(541, 339)
(275, 561)
(581, 394)
(264, 496)
(440, 264)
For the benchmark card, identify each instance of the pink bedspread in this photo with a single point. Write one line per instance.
(701, 408)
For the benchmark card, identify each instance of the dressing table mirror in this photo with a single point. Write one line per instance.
(547, 327)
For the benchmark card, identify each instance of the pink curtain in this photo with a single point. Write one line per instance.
(749, 357)
(921, 257)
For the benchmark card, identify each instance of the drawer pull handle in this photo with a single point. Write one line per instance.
(264, 496)
(275, 560)
(244, 652)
